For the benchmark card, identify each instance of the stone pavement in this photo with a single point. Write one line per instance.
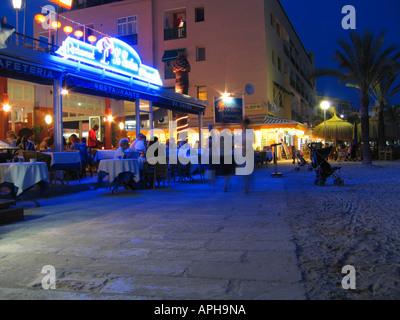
(194, 242)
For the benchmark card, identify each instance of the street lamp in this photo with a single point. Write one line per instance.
(325, 105)
(17, 4)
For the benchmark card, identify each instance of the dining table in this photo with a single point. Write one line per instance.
(21, 176)
(117, 170)
(66, 160)
(104, 154)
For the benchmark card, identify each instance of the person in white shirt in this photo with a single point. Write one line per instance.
(123, 148)
(139, 143)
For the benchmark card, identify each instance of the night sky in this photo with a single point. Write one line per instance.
(318, 24)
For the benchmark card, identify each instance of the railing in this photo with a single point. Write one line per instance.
(32, 43)
(174, 33)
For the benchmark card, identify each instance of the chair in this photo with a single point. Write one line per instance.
(382, 153)
(28, 155)
(156, 172)
(175, 171)
(41, 157)
(84, 154)
(389, 154)
(185, 172)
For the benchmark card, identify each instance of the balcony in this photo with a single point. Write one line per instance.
(174, 33)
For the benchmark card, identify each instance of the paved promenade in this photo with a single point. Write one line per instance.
(194, 242)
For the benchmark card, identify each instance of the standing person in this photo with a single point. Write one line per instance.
(92, 143)
(293, 154)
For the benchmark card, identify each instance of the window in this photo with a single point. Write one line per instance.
(271, 15)
(168, 69)
(199, 14)
(200, 54)
(88, 31)
(127, 26)
(273, 56)
(279, 64)
(202, 92)
(278, 28)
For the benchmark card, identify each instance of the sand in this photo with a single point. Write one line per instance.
(356, 224)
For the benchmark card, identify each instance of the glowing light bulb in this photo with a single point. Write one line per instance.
(39, 18)
(78, 33)
(68, 29)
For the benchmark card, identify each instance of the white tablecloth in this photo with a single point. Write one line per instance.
(113, 167)
(104, 154)
(23, 175)
(64, 157)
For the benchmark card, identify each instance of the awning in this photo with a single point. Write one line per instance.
(283, 89)
(171, 54)
(284, 123)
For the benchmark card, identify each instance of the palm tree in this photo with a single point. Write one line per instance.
(392, 113)
(382, 92)
(363, 62)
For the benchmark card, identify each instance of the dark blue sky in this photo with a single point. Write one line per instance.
(318, 24)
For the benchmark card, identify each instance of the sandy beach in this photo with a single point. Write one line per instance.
(287, 239)
(356, 224)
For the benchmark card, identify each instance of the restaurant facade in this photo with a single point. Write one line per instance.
(78, 68)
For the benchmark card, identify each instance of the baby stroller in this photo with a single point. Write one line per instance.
(301, 162)
(324, 170)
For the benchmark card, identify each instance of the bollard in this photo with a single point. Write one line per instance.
(276, 174)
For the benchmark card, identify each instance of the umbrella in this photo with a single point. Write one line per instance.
(392, 130)
(336, 129)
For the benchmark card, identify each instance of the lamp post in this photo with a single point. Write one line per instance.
(17, 4)
(325, 105)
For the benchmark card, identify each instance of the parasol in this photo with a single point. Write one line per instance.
(336, 129)
(392, 130)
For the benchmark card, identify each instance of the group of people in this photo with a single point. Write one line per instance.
(138, 146)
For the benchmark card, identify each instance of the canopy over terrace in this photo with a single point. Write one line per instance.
(270, 130)
(26, 64)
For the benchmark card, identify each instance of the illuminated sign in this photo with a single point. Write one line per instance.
(228, 110)
(110, 54)
(67, 4)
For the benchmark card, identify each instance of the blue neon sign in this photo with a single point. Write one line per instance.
(110, 54)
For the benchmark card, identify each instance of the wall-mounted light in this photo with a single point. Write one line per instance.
(64, 91)
(6, 108)
(121, 126)
(226, 97)
(48, 119)
(110, 118)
